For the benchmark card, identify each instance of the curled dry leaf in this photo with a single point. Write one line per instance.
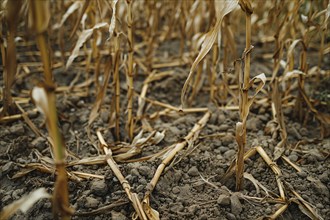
(291, 74)
(70, 10)
(24, 203)
(153, 138)
(210, 37)
(261, 79)
(256, 183)
(137, 138)
(290, 54)
(82, 17)
(82, 39)
(113, 18)
(158, 137)
(327, 13)
(39, 96)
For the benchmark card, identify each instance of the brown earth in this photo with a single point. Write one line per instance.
(191, 187)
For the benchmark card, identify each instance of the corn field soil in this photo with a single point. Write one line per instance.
(190, 188)
(159, 109)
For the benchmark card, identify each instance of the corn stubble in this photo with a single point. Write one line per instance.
(119, 39)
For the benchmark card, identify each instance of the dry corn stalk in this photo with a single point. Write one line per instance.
(151, 32)
(133, 197)
(116, 84)
(275, 169)
(231, 170)
(244, 84)
(39, 16)
(244, 107)
(324, 28)
(129, 73)
(9, 56)
(169, 155)
(279, 118)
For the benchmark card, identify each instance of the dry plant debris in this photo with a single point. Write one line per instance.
(206, 109)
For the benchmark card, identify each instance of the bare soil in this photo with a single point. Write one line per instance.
(191, 187)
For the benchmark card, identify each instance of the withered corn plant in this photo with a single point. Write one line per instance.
(245, 102)
(45, 100)
(243, 94)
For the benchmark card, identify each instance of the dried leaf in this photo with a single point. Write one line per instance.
(290, 54)
(137, 137)
(210, 37)
(113, 18)
(256, 183)
(159, 136)
(291, 74)
(39, 96)
(82, 18)
(24, 203)
(89, 161)
(82, 39)
(70, 10)
(262, 81)
(305, 210)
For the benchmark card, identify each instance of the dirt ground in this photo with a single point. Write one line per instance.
(192, 186)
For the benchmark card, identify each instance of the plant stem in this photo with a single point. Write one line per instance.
(9, 56)
(130, 122)
(117, 85)
(39, 11)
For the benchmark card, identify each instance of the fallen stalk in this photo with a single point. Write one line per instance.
(192, 135)
(133, 197)
(275, 169)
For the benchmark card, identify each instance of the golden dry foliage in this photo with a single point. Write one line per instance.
(223, 8)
